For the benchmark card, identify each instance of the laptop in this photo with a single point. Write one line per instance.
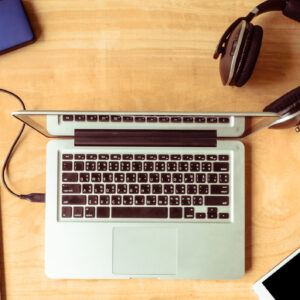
(144, 194)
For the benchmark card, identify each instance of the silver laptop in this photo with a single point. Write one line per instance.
(143, 195)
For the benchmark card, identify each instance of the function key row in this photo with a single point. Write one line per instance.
(211, 157)
(145, 119)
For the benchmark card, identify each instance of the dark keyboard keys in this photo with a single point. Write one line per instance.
(189, 212)
(127, 119)
(221, 167)
(78, 212)
(79, 156)
(93, 200)
(188, 119)
(70, 177)
(197, 200)
(104, 200)
(115, 118)
(102, 212)
(67, 156)
(162, 200)
(212, 120)
(84, 177)
(68, 118)
(139, 212)
(200, 215)
(92, 118)
(80, 118)
(103, 156)
(90, 212)
(71, 188)
(164, 119)
(223, 178)
(67, 166)
(224, 215)
(139, 200)
(66, 212)
(219, 189)
(78, 166)
(223, 157)
(216, 200)
(224, 120)
(200, 120)
(152, 119)
(140, 119)
(151, 200)
(174, 200)
(175, 212)
(127, 200)
(116, 200)
(103, 118)
(74, 199)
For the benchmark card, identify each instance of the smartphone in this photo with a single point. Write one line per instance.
(282, 282)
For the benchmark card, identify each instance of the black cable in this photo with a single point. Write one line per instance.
(34, 197)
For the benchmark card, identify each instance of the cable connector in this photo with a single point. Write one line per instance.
(34, 197)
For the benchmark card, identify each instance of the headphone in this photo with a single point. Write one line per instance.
(240, 44)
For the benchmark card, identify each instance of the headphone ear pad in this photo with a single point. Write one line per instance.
(250, 56)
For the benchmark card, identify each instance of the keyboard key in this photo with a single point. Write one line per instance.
(191, 189)
(93, 200)
(212, 216)
(197, 200)
(188, 119)
(113, 166)
(212, 120)
(68, 118)
(137, 166)
(78, 166)
(168, 189)
(151, 156)
(223, 178)
(127, 200)
(151, 119)
(185, 200)
(71, 188)
(139, 200)
(175, 119)
(183, 166)
(115, 156)
(67, 166)
(127, 157)
(84, 177)
(127, 119)
(139, 156)
(162, 200)
(102, 212)
(177, 177)
(156, 189)
(164, 119)
(224, 120)
(165, 177)
(219, 189)
(130, 177)
(119, 177)
(107, 177)
(90, 212)
(99, 188)
(66, 212)
(115, 118)
(140, 119)
(104, 200)
(142, 177)
(160, 166)
(90, 166)
(133, 188)
(74, 199)
(216, 200)
(194, 167)
(91, 156)
(189, 212)
(175, 212)
(212, 178)
(116, 200)
(122, 188)
(179, 189)
(199, 157)
(203, 189)
(200, 215)
(92, 118)
(200, 120)
(212, 157)
(67, 156)
(79, 156)
(212, 210)
(223, 157)
(148, 166)
(103, 156)
(103, 118)
(172, 166)
(69, 177)
(221, 167)
(139, 212)
(163, 157)
(101, 166)
(80, 118)
(145, 188)
(174, 200)
(110, 188)
(187, 157)
(176, 157)
(87, 188)
(154, 177)
(151, 200)
(200, 178)
(188, 177)
(206, 167)
(224, 215)
(78, 212)
(96, 177)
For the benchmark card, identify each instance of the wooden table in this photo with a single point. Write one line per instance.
(146, 56)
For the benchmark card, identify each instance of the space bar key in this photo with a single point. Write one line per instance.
(139, 212)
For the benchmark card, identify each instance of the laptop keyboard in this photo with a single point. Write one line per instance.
(175, 186)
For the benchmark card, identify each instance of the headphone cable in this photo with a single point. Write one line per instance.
(33, 197)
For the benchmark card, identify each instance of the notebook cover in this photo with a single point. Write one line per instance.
(15, 29)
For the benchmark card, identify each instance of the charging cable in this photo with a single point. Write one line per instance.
(33, 197)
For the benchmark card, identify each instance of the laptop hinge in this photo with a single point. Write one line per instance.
(146, 138)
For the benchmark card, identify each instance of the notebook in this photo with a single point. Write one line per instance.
(144, 194)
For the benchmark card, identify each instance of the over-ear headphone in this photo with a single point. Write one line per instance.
(240, 44)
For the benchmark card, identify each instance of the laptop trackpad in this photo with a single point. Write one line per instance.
(144, 250)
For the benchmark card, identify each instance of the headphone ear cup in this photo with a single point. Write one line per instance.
(290, 102)
(249, 57)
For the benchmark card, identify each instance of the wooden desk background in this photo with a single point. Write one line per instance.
(146, 55)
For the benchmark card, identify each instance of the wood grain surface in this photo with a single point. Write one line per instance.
(138, 55)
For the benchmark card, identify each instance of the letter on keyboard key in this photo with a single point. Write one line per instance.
(139, 212)
(74, 199)
(216, 200)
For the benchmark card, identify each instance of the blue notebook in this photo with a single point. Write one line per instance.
(15, 29)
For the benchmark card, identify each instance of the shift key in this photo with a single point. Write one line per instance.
(216, 200)
(74, 199)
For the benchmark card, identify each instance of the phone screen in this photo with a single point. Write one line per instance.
(285, 281)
